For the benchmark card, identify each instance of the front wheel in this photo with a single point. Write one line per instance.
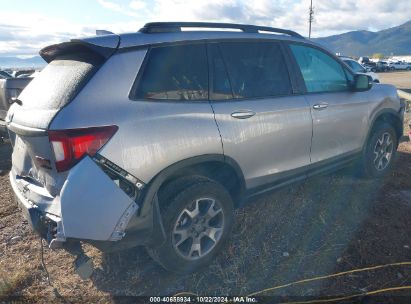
(197, 221)
(380, 151)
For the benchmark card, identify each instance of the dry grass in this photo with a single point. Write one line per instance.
(401, 79)
(10, 282)
(327, 224)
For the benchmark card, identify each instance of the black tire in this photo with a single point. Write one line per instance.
(374, 164)
(181, 196)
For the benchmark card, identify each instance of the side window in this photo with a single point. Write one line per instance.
(350, 64)
(175, 73)
(355, 66)
(221, 87)
(256, 69)
(321, 72)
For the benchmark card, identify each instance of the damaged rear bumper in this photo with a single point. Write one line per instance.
(91, 207)
(47, 225)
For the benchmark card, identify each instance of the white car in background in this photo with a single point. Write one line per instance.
(358, 68)
(400, 65)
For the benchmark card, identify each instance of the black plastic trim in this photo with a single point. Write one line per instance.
(379, 114)
(49, 53)
(171, 27)
(153, 186)
(299, 174)
(147, 228)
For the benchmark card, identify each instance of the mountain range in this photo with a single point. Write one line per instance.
(392, 41)
(22, 63)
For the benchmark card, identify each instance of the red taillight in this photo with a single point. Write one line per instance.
(69, 146)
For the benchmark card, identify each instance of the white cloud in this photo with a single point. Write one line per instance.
(26, 33)
(110, 5)
(137, 5)
(338, 16)
(118, 8)
(331, 16)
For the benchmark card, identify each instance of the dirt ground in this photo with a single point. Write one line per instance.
(400, 79)
(325, 225)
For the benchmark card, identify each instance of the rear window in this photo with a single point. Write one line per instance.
(60, 81)
(177, 72)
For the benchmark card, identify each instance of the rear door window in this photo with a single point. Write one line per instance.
(321, 72)
(221, 87)
(178, 72)
(256, 69)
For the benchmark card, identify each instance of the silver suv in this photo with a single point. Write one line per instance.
(153, 138)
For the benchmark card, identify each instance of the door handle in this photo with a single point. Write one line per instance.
(242, 114)
(320, 106)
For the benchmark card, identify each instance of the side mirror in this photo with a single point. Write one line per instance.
(362, 83)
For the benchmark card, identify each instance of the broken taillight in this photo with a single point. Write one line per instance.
(71, 145)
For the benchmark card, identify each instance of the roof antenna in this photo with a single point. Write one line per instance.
(310, 19)
(103, 32)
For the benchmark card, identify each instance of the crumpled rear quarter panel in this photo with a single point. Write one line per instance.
(91, 203)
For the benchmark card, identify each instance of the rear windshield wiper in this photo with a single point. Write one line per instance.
(16, 100)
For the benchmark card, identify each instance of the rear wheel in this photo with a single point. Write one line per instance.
(380, 151)
(197, 220)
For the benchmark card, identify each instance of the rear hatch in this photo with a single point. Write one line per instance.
(71, 65)
(53, 88)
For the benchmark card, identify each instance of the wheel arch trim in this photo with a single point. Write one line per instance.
(156, 182)
(378, 115)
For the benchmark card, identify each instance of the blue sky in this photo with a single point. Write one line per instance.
(28, 25)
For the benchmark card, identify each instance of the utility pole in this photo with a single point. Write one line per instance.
(310, 18)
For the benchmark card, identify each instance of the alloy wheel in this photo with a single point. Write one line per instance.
(198, 228)
(383, 151)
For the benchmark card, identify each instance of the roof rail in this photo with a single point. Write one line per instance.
(171, 27)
